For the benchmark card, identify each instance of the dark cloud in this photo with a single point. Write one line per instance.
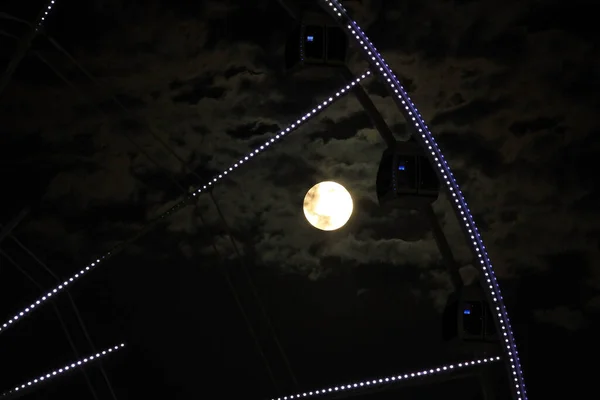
(472, 147)
(572, 320)
(376, 88)
(521, 128)
(342, 129)
(469, 112)
(128, 101)
(195, 90)
(572, 17)
(505, 46)
(292, 171)
(250, 130)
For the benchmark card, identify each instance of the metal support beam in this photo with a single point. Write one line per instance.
(292, 8)
(444, 247)
(365, 101)
(487, 382)
(6, 230)
(63, 325)
(22, 48)
(75, 310)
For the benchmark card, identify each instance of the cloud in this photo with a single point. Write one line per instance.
(98, 187)
(563, 317)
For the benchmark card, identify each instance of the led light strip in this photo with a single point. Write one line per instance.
(358, 385)
(458, 201)
(57, 372)
(299, 122)
(45, 14)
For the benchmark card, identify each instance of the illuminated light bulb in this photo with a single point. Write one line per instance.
(389, 380)
(54, 373)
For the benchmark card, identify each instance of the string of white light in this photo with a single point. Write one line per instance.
(60, 371)
(388, 380)
(457, 199)
(191, 196)
(45, 14)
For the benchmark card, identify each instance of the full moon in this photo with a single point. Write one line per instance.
(328, 206)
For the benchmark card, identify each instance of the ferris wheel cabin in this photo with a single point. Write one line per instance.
(468, 317)
(405, 178)
(317, 41)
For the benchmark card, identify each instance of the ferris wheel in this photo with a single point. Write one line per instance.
(411, 175)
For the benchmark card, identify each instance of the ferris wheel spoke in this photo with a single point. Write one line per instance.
(390, 380)
(191, 197)
(51, 375)
(44, 14)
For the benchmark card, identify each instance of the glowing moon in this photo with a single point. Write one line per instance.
(328, 206)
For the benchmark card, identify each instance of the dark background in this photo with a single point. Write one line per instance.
(510, 90)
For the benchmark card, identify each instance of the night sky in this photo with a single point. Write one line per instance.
(510, 90)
